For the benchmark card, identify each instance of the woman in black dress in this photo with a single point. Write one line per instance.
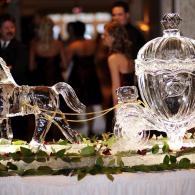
(83, 76)
(47, 60)
(120, 62)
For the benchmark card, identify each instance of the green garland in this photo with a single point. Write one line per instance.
(115, 165)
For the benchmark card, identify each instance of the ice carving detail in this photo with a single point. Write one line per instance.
(165, 67)
(42, 101)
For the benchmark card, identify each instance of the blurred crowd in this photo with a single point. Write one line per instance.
(95, 68)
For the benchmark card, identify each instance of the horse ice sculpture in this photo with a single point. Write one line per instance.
(41, 101)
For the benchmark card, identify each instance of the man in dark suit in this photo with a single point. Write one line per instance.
(14, 53)
(120, 13)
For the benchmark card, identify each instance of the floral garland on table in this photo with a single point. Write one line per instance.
(98, 151)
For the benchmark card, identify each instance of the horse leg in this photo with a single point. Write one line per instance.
(5, 129)
(70, 134)
(42, 126)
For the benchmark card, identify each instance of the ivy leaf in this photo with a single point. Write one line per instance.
(41, 153)
(155, 149)
(110, 141)
(41, 156)
(11, 166)
(16, 156)
(25, 151)
(72, 154)
(44, 170)
(29, 172)
(165, 148)
(166, 160)
(60, 153)
(141, 168)
(81, 174)
(65, 172)
(28, 159)
(40, 159)
(110, 177)
(4, 173)
(62, 142)
(3, 167)
(95, 170)
(88, 151)
(173, 159)
(99, 161)
(27, 155)
(184, 163)
(86, 141)
(94, 139)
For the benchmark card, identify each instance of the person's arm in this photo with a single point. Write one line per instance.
(70, 51)
(115, 76)
(63, 58)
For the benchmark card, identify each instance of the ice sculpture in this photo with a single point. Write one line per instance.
(165, 67)
(132, 120)
(41, 101)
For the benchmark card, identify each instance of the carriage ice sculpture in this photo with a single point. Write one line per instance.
(42, 101)
(133, 121)
(165, 67)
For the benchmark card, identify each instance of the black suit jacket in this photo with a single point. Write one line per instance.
(136, 37)
(16, 55)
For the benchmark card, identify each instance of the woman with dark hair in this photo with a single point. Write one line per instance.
(119, 60)
(83, 76)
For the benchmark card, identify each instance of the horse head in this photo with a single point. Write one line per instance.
(5, 74)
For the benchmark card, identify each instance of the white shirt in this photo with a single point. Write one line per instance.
(4, 44)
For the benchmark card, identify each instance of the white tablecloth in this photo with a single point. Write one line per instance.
(163, 183)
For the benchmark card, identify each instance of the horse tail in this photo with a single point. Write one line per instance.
(69, 96)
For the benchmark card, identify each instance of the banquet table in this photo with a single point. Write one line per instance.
(156, 183)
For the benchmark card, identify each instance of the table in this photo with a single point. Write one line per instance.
(160, 183)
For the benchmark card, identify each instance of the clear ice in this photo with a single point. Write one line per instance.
(165, 67)
(42, 101)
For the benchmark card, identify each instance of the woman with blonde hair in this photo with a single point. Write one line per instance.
(120, 60)
(47, 58)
